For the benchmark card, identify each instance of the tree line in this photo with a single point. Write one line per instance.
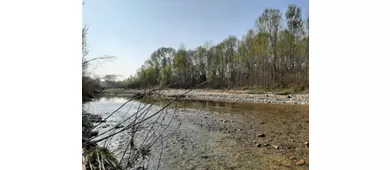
(272, 55)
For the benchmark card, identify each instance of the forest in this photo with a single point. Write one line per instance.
(272, 55)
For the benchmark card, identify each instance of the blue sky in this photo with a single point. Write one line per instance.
(132, 29)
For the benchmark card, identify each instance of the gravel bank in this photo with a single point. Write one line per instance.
(220, 95)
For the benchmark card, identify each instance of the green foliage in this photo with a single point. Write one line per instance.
(272, 55)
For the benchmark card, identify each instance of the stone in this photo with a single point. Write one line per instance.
(265, 144)
(275, 146)
(204, 157)
(300, 162)
(293, 157)
(224, 121)
(261, 135)
(94, 133)
(307, 144)
(258, 145)
(119, 126)
(289, 96)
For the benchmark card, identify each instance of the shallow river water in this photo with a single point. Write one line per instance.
(218, 135)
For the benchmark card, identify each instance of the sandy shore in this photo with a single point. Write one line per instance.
(219, 95)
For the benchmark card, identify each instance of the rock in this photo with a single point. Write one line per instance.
(261, 135)
(205, 117)
(269, 102)
(254, 142)
(119, 126)
(204, 157)
(264, 144)
(232, 120)
(227, 131)
(258, 145)
(267, 95)
(275, 146)
(289, 96)
(224, 121)
(300, 162)
(307, 144)
(239, 130)
(293, 157)
(94, 133)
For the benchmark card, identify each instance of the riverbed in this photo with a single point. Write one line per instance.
(220, 135)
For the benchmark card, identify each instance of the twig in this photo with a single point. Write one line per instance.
(162, 146)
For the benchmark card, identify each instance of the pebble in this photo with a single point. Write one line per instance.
(119, 126)
(94, 133)
(293, 157)
(258, 145)
(300, 162)
(275, 146)
(307, 144)
(289, 96)
(261, 135)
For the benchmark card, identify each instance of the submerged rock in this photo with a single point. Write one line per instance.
(204, 157)
(119, 126)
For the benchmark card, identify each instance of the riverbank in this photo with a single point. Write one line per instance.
(237, 96)
(219, 135)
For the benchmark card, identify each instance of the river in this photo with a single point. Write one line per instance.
(218, 135)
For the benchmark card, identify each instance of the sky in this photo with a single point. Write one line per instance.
(131, 30)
